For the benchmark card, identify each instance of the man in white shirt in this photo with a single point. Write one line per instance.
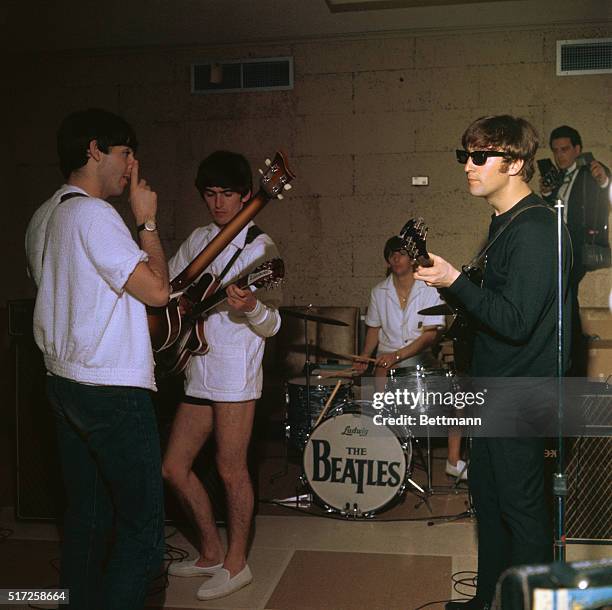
(90, 322)
(400, 335)
(584, 190)
(222, 387)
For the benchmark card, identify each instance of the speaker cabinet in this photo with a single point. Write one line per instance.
(39, 487)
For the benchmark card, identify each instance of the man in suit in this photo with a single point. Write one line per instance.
(584, 189)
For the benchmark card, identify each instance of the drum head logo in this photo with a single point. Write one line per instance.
(351, 462)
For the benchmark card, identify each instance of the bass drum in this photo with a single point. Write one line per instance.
(355, 465)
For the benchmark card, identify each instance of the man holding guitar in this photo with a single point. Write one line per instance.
(90, 323)
(221, 387)
(515, 312)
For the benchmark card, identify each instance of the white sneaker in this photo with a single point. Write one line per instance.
(221, 584)
(189, 568)
(454, 471)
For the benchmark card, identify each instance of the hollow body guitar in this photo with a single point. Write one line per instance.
(195, 304)
(165, 322)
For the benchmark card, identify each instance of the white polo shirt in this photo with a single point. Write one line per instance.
(81, 254)
(400, 327)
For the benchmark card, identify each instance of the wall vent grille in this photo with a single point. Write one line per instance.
(263, 74)
(589, 56)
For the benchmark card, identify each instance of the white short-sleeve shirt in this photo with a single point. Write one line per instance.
(400, 327)
(80, 254)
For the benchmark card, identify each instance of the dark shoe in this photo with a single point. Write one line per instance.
(472, 604)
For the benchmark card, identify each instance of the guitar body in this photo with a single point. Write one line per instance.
(164, 324)
(197, 301)
(191, 342)
(172, 358)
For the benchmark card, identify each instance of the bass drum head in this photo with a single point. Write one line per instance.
(353, 465)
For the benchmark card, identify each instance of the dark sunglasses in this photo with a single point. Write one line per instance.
(479, 157)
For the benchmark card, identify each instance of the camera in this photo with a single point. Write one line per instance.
(551, 176)
(585, 158)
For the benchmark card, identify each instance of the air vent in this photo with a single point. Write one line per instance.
(264, 74)
(592, 56)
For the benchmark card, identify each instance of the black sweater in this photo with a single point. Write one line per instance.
(516, 310)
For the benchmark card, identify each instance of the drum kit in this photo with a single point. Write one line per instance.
(351, 464)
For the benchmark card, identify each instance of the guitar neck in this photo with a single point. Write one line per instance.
(216, 298)
(216, 246)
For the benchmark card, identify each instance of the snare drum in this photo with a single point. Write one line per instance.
(353, 464)
(419, 381)
(299, 422)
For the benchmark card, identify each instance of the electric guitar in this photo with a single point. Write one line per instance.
(165, 322)
(191, 339)
(461, 331)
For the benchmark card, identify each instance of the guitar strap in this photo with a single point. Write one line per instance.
(253, 232)
(478, 260)
(63, 198)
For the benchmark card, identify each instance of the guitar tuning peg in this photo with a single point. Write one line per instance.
(260, 171)
(287, 187)
(268, 162)
(279, 196)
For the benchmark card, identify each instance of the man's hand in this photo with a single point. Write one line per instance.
(142, 199)
(441, 275)
(545, 189)
(599, 173)
(240, 300)
(360, 366)
(387, 361)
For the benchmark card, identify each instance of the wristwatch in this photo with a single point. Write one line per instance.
(147, 225)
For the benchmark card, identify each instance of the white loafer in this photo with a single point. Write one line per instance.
(221, 584)
(189, 568)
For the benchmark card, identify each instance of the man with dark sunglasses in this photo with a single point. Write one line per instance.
(514, 310)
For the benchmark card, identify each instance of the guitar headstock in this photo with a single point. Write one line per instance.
(276, 178)
(268, 274)
(414, 236)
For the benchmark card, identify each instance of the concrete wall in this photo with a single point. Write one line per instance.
(366, 114)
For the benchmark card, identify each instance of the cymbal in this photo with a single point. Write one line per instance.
(437, 310)
(312, 317)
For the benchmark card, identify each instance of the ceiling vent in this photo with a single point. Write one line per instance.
(263, 74)
(591, 56)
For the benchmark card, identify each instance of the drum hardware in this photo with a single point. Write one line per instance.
(423, 379)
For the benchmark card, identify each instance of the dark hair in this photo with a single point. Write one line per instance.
(225, 169)
(80, 128)
(565, 131)
(512, 135)
(392, 245)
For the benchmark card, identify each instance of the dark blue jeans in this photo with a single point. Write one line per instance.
(113, 529)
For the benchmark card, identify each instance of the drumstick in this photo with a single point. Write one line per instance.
(356, 357)
(329, 401)
(341, 373)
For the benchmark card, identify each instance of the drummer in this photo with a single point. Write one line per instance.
(401, 336)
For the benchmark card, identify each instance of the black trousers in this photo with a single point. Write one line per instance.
(506, 479)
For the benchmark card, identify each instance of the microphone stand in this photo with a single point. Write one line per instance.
(560, 478)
